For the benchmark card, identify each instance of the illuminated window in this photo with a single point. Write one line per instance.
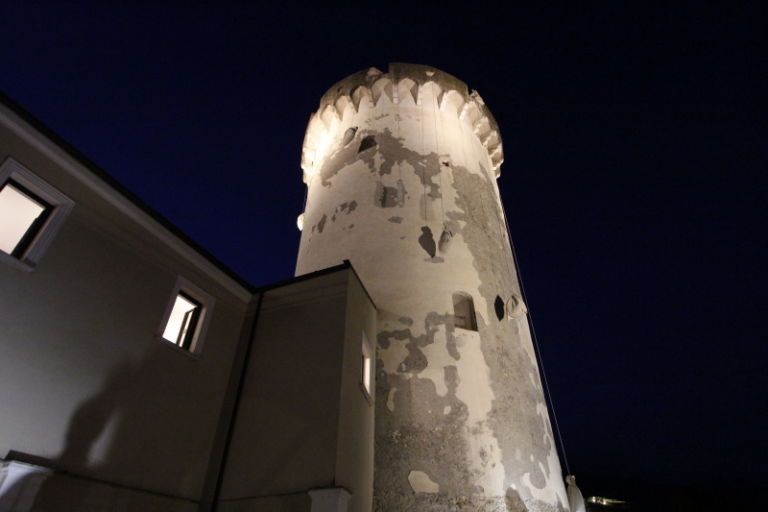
(31, 211)
(22, 214)
(366, 369)
(186, 318)
(182, 324)
(464, 312)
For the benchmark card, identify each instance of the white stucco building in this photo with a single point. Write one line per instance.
(138, 373)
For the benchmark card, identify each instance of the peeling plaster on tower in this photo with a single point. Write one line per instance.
(401, 169)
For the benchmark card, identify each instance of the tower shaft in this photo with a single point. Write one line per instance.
(401, 169)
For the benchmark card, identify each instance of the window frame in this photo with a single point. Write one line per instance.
(193, 343)
(38, 237)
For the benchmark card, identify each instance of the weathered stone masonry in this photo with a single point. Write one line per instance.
(401, 169)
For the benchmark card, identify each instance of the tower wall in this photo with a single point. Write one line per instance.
(401, 170)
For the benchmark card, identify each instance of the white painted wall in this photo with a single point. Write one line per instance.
(303, 421)
(86, 383)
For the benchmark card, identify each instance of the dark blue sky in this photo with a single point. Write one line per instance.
(635, 181)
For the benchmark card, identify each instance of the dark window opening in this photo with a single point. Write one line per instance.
(368, 142)
(385, 195)
(464, 312)
(498, 305)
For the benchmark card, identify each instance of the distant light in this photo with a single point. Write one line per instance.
(300, 222)
(606, 502)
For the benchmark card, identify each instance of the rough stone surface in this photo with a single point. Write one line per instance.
(461, 422)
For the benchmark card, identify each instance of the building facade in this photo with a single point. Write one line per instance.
(395, 372)
(137, 373)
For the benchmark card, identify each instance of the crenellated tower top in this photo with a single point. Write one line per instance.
(403, 82)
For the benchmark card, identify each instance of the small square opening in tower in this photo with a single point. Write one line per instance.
(464, 311)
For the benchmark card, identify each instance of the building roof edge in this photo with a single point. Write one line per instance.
(121, 189)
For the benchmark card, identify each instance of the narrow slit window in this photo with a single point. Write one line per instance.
(498, 305)
(22, 217)
(464, 312)
(366, 366)
(183, 321)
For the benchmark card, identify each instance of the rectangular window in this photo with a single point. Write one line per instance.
(186, 317)
(182, 323)
(366, 373)
(22, 215)
(31, 211)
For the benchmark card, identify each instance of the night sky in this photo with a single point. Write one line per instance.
(635, 184)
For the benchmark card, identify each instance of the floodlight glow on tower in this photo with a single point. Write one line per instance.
(401, 171)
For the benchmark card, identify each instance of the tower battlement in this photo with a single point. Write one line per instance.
(403, 84)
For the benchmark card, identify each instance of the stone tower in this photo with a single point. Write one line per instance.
(401, 169)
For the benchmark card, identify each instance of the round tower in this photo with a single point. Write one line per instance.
(401, 171)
